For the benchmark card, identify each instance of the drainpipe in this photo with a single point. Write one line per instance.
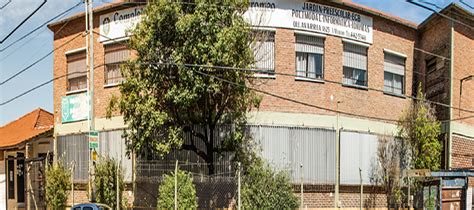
(451, 79)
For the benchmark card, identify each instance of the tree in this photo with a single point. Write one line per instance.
(186, 192)
(419, 127)
(264, 188)
(163, 97)
(58, 182)
(391, 157)
(106, 181)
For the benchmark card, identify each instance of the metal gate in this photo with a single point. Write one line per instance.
(35, 181)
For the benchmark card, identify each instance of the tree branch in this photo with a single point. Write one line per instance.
(194, 149)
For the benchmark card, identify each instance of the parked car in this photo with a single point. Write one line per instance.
(90, 206)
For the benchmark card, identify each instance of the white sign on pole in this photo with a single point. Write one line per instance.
(309, 16)
(115, 25)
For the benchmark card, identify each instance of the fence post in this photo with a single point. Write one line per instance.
(361, 189)
(117, 187)
(301, 187)
(72, 181)
(239, 202)
(176, 186)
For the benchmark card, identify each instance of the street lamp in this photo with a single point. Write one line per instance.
(470, 77)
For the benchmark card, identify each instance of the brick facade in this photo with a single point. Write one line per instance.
(387, 35)
(462, 156)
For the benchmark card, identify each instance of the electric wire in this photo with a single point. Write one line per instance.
(466, 4)
(22, 22)
(39, 60)
(6, 4)
(40, 26)
(440, 14)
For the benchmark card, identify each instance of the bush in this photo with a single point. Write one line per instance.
(186, 192)
(264, 188)
(106, 181)
(58, 182)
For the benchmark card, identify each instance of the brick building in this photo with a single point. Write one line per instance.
(345, 58)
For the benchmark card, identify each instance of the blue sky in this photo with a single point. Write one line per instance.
(40, 43)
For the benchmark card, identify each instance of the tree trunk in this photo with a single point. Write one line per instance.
(210, 150)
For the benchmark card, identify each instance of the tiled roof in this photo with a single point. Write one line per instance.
(25, 128)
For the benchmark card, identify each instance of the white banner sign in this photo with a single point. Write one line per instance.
(115, 25)
(308, 16)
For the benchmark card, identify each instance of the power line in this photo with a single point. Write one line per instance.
(4, 5)
(40, 26)
(39, 60)
(38, 86)
(440, 14)
(336, 82)
(466, 4)
(29, 40)
(230, 82)
(22, 22)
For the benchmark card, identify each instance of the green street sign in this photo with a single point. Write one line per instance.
(74, 107)
(93, 139)
(93, 145)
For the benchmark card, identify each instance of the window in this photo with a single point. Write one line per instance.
(355, 65)
(309, 56)
(115, 55)
(394, 74)
(264, 50)
(76, 71)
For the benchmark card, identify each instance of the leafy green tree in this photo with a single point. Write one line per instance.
(186, 192)
(163, 98)
(264, 188)
(420, 129)
(106, 181)
(58, 182)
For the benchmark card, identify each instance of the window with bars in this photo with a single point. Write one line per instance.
(264, 50)
(355, 65)
(115, 55)
(394, 74)
(76, 71)
(309, 56)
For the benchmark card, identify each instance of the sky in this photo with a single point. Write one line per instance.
(38, 44)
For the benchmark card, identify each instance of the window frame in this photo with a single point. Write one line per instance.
(365, 84)
(116, 64)
(306, 55)
(393, 75)
(271, 74)
(68, 83)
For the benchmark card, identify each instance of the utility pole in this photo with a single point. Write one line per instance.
(90, 89)
(336, 193)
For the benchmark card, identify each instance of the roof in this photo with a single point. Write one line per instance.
(346, 3)
(25, 128)
(100, 9)
(451, 8)
(375, 12)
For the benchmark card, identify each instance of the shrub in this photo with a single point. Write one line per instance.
(264, 188)
(58, 182)
(106, 181)
(186, 192)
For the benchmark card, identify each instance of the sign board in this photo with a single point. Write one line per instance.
(74, 107)
(309, 16)
(115, 25)
(93, 140)
(417, 173)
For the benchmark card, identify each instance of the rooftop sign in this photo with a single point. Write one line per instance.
(115, 25)
(313, 17)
